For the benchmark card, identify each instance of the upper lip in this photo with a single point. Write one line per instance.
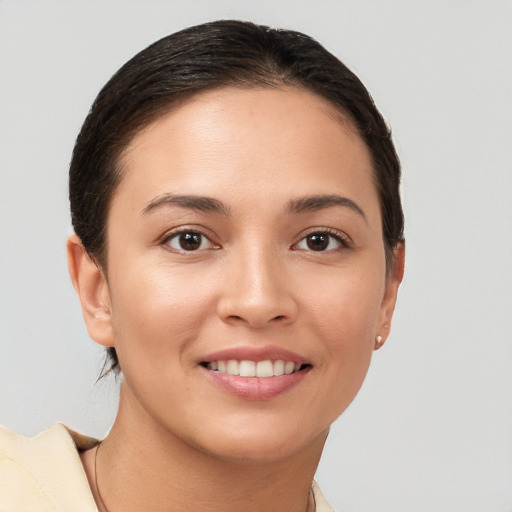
(251, 353)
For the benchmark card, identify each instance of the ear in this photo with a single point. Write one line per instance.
(92, 288)
(387, 308)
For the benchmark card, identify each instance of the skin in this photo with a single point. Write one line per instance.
(254, 281)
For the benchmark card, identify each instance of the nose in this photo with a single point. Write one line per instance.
(257, 291)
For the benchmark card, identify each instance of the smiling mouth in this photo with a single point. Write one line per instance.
(262, 369)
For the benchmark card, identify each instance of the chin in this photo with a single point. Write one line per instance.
(262, 443)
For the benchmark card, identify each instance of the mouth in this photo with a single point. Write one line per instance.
(248, 368)
(255, 373)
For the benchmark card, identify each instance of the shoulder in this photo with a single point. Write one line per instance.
(58, 438)
(321, 504)
(34, 469)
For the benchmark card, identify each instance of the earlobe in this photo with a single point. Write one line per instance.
(91, 286)
(393, 280)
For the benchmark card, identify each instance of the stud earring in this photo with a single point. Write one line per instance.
(378, 341)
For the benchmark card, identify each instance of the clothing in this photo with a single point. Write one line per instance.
(45, 473)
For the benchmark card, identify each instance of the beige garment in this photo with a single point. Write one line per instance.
(44, 473)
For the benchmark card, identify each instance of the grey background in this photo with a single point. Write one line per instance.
(431, 429)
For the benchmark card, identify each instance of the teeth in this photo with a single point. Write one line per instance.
(233, 368)
(278, 367)
(247, 368)
(288, 367)
(265, 369)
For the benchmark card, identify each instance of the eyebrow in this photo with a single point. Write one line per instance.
(319, 202)
(210, 205)
(200, 203)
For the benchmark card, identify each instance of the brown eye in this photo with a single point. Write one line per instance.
(318, 241)
(322, 241)
(188, 241)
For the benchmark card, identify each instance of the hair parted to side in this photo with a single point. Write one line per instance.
(201, 58)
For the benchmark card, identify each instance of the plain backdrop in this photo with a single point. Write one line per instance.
(432, 427)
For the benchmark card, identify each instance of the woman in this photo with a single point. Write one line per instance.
(238, 250)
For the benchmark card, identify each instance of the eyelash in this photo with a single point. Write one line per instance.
(342, 239)
(184, 230)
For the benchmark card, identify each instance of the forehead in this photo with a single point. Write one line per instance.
(242, 139)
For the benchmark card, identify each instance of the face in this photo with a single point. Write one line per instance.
(246, 271)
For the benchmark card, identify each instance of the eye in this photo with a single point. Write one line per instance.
(322, 241)
(189, 241)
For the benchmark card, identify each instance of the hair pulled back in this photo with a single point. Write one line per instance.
(201, 58)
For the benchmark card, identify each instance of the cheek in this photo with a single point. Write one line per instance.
(156, 313)
(345, 318)
(347, 307)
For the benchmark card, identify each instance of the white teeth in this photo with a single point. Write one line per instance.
(288, 367)
(247, 369)
(279, 367)
(232, 367)
(262, 369)
(265, 369)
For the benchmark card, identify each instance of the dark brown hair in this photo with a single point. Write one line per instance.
(204, 57)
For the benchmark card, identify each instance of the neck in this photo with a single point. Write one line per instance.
(142, 466)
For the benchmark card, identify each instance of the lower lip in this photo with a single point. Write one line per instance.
(256, 388)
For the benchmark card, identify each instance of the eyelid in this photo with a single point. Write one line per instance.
(171, 233)
(345, 241)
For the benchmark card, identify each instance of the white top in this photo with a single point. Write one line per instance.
(45, 473)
